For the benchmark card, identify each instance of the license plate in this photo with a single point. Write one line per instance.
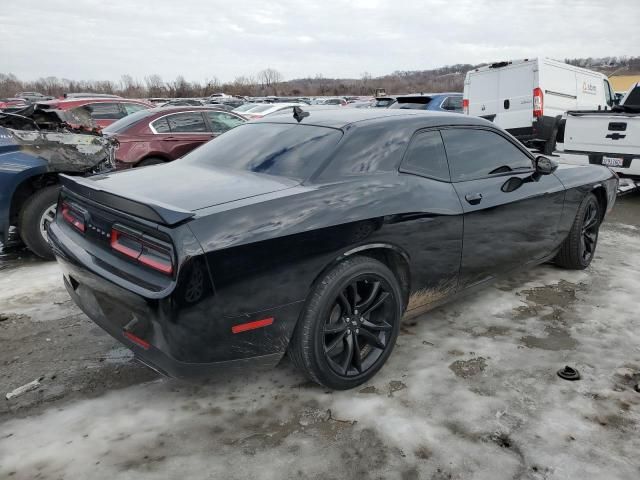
(612, 161)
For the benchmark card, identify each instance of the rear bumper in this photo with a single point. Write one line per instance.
(174, 340)
(152, 356)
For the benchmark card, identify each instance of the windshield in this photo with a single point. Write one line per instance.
(123, 124)
(286, 150)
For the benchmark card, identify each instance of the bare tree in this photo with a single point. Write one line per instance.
(155, 85)
(269, 80)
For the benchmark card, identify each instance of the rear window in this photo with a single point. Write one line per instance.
(286, 150)
(105, 111)
(634, 98)
(411, 103)
(384, 102)
(124, 123)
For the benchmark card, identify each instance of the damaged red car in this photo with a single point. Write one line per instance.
(103, 111)
(159, 135)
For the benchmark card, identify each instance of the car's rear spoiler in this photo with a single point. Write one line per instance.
(139, 207)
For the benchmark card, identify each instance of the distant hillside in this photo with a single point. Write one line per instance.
(269, 82)
(449, 78)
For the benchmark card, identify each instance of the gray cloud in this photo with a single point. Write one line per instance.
(201, 39)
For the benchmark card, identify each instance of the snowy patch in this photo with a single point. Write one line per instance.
(467, 393)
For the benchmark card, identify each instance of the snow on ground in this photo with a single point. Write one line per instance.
(469, 392)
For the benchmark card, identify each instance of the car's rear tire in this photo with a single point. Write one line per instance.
(579, 247)
(349, 325)
(150, 161)
(36, 214)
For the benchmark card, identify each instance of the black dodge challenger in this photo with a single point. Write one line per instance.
(313, 235)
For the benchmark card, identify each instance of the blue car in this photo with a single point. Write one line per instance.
(31, 159)
(438, 102)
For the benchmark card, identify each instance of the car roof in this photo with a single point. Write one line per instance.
(86, 100)
(408, 95)
(341, 117)
(190, 108)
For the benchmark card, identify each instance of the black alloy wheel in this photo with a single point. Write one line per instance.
(578, 249)
(349, 325)
(590, 226)
(357, 330)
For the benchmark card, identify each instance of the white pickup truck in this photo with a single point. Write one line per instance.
(610, 138)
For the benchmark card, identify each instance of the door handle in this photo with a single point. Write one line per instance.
(169, 139)
(473, 198)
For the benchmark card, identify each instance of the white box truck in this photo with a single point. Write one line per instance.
(529, 97)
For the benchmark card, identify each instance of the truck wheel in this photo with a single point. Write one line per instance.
(349, 324)
(550, 145)
(37, 213)
(579, 247)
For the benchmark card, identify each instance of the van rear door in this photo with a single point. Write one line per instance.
(515, 98)
(482, 93)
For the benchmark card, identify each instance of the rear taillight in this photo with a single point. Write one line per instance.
(142, 248)
(538, 102)
(465, 106)
(73, 217)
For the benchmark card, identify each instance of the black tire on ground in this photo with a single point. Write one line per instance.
(579, 247)
(345, 333)
(150, 161)
(33, 216)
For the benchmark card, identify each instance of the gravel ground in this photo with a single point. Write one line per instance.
(470, 391)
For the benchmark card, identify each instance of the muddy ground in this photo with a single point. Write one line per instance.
(470, 391)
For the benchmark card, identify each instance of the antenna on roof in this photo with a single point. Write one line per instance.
(299, 114)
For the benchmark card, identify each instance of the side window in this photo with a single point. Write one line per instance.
(132, 107)
(478, 153)
(161, 125)
(607, 93)
(426, 156)
(105, 111)
(221, 122)
(453, 104)
(188, 122)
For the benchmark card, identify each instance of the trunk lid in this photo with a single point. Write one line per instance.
(173, 192)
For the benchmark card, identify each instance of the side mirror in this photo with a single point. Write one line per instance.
(545, 166)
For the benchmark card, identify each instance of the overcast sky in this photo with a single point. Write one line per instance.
(201, 39)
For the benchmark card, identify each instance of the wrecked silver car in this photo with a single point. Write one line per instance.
(35, 147)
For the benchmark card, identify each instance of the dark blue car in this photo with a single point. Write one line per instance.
(439, 102)
(30, 162)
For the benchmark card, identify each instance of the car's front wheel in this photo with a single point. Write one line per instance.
(350, 324)
(579, 247)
